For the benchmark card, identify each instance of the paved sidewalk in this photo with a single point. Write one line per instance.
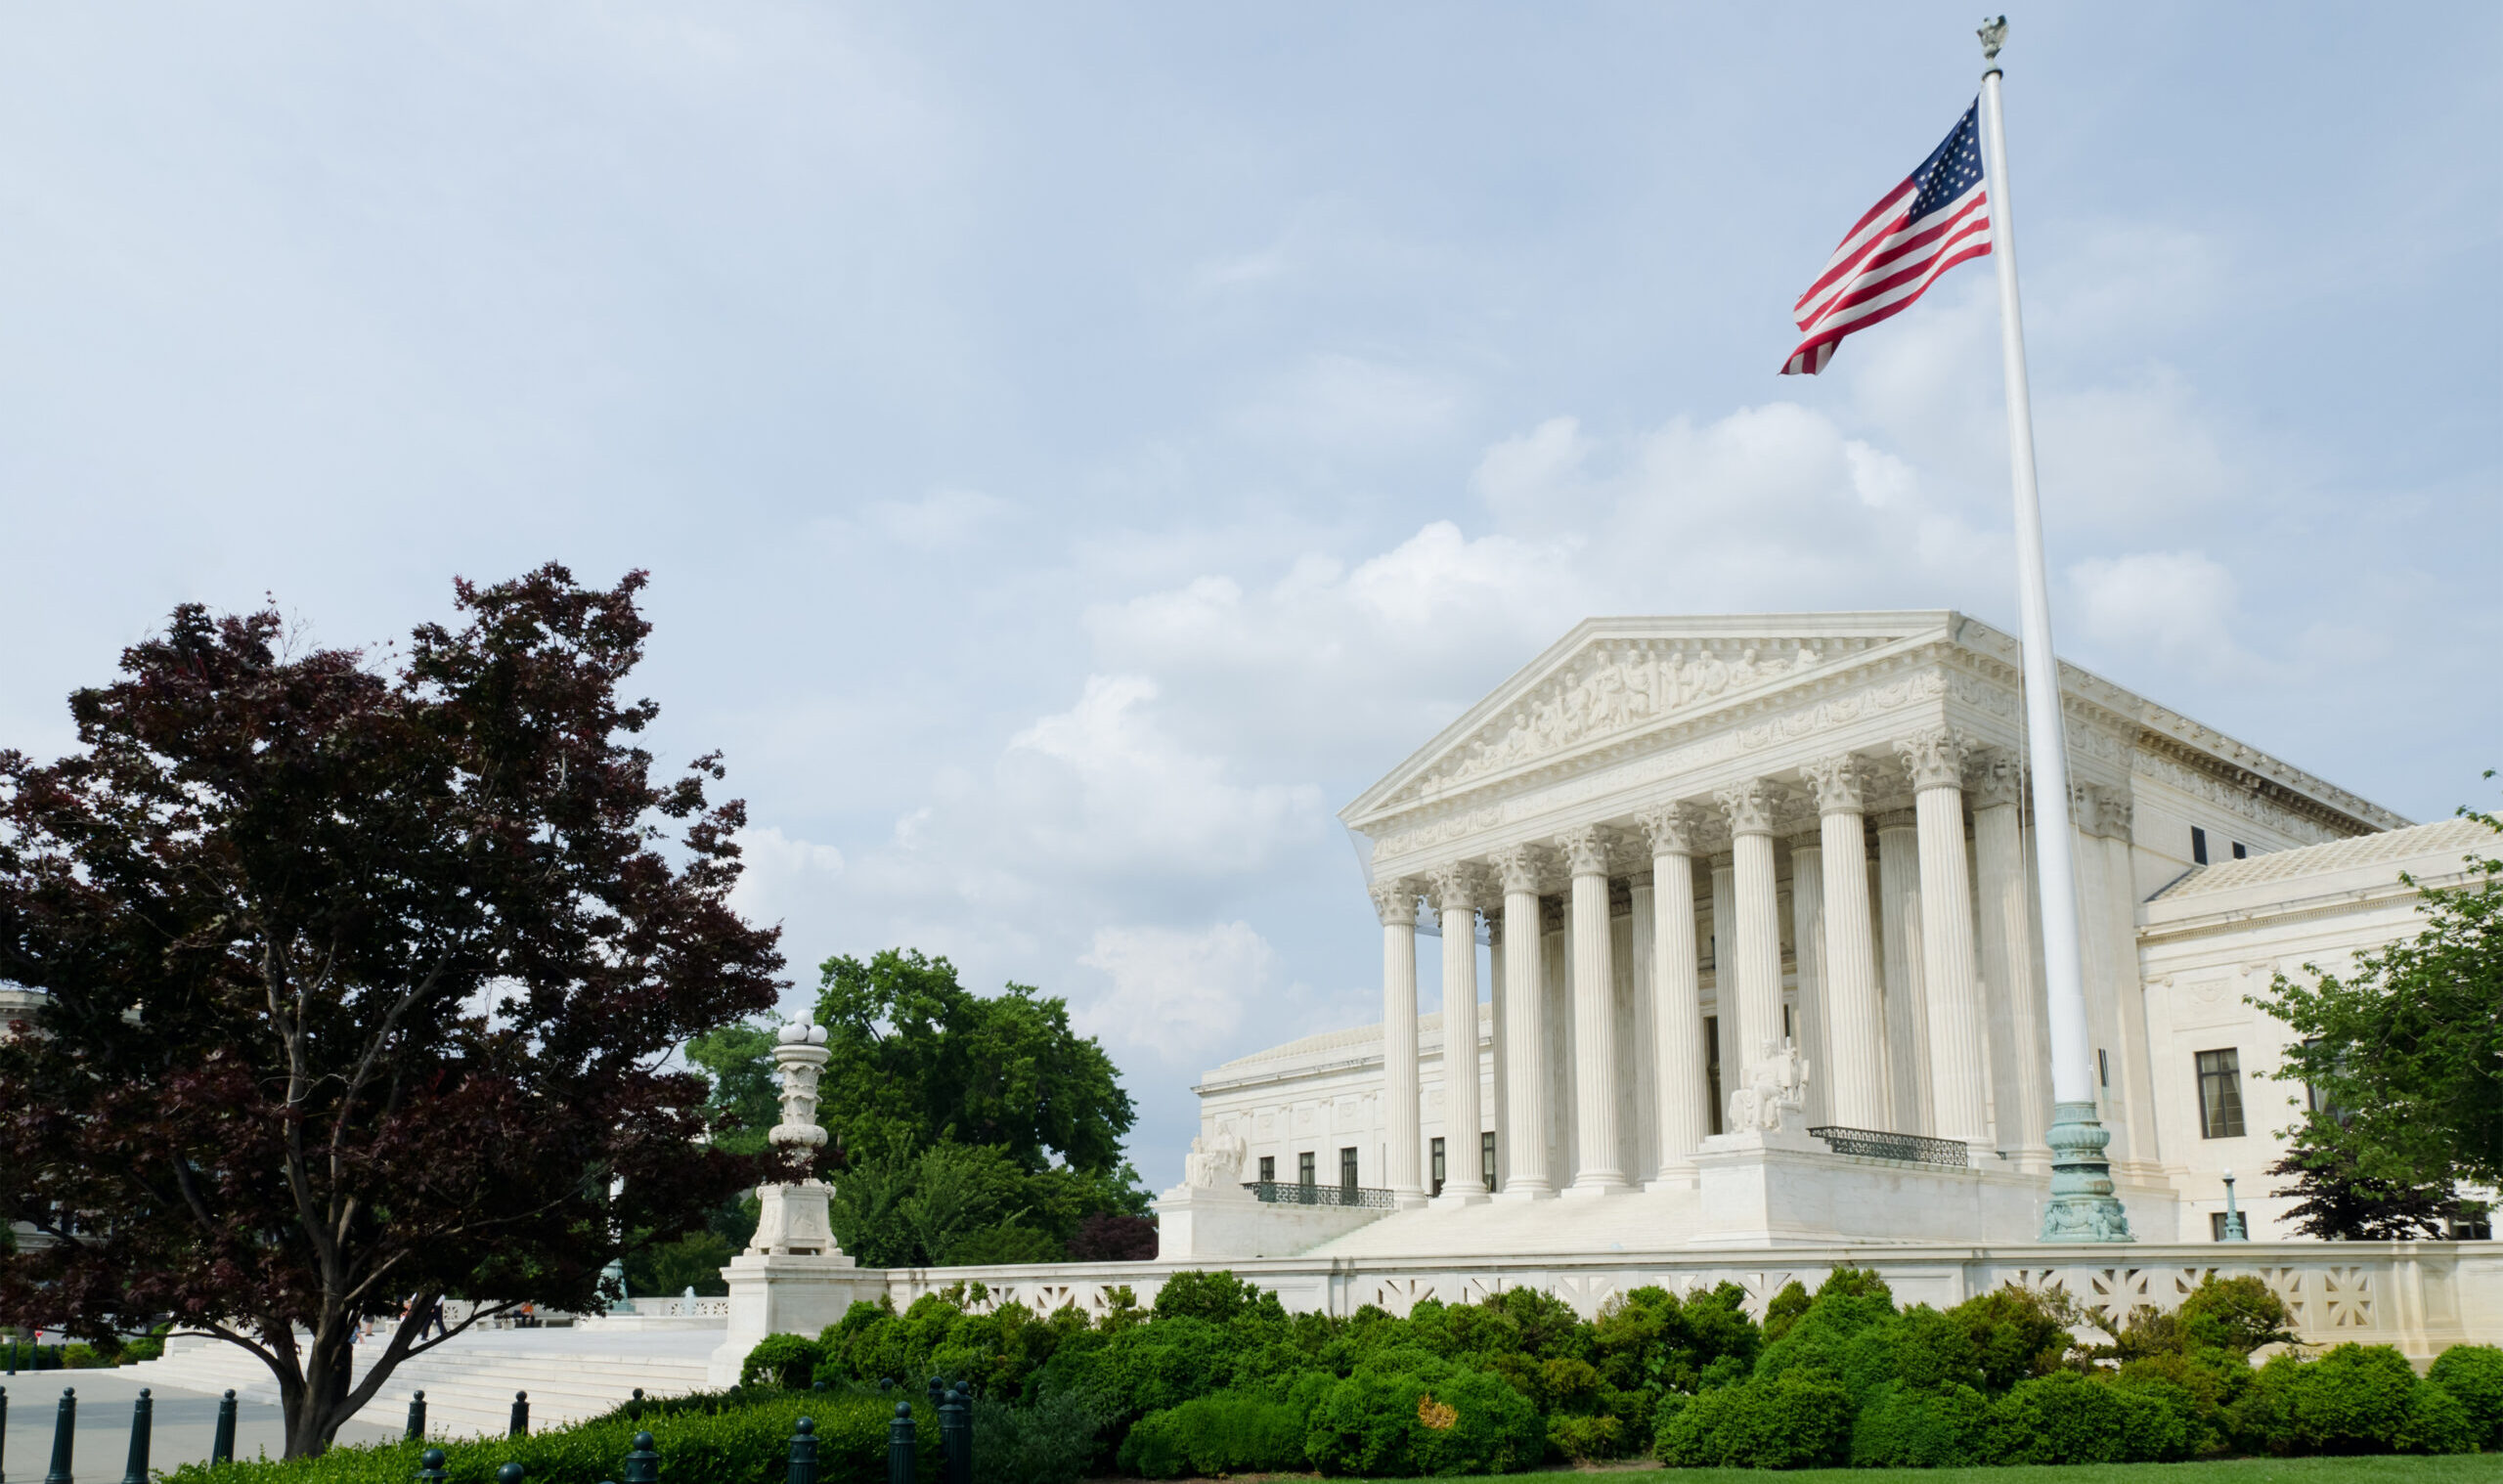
(184, 1423)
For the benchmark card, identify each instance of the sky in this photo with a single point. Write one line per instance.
(1076, 449)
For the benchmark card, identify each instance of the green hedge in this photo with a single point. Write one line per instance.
(739, 1437)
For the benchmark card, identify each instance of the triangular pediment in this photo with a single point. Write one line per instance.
(1611, 678)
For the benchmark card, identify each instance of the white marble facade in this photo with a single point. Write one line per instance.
(1703, 851)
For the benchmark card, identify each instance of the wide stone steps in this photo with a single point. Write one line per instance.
(469, 1382)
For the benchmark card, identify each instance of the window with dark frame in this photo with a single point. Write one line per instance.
(1486, 1160)
(1268, 1169)
(2215, 1225)
(2241, 851)
(1712, 1066)
(2198, 846)
(1347, 1169)
(1435, 1179)
(2220, 1093)
(1303, 1171)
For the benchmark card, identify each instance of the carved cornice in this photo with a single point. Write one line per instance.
(1750, 807)
(1839, 782)
(1934, 757)
(1395, 903)
(1671, 828)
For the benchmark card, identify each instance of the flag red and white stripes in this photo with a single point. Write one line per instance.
(1937, 218)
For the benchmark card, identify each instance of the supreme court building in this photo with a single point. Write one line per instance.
(1762, 961)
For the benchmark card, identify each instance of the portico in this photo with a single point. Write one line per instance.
(1740, 877)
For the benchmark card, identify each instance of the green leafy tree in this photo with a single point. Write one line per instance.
(2340, 1205)
(2408, 1048)
(916, 1052)
(739, 1062)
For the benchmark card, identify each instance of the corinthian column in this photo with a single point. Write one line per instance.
(1855, 1018)
(1755, 955)
(1525, 1092)
(1677, 1002)
(1594, 1023)
(1458, 891)
(1900, 934)
(2020, 1056)
(1397, 903)
(1497, 1069)
(1935, 760)
(1808, 951)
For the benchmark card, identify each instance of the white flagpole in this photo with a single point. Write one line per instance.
(2081, 1205)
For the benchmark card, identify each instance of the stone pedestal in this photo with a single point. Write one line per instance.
(1214, 1221)
(774, 1294)
(791, 1221)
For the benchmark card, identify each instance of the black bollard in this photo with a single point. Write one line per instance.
(899, 1446)
(511, 1473)
(956, 1432)
(221, 1443)
(417, 1417)
(64, 1427)
(639, 1404)
(804, 1452)
(143, 1416)
(431, 1465)
(520, 1417)
(644, 1465)
(4, 1434)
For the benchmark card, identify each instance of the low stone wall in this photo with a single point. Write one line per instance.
(2420, 1296)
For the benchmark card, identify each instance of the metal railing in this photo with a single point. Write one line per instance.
(1909, 1149)
(1296, 1193)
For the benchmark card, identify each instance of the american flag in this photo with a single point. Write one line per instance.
(1936, 219)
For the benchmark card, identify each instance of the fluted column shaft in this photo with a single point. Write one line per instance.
(1498, 1065)
(1758, 946)
(1808, 951)
(1594, 1019)
(1900, 934)
(1525, 1092)
(1958, 1051)
(1677, 996)
(1855, 1019)
(1724, 978)
(1462, 1120)
(1403, 1125)
(2020, 1055)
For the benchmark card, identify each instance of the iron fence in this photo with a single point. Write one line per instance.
(1907, 1149)
(1296, 1193)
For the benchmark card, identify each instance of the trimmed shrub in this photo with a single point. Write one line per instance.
(1800, 1419)
(1051, 1442)
(2474, 1376)
(2262, 1420)
(788, 1361)
(1226, 1433)
(2237, 1314)
(744, 1438)
(1901, 1427)
(2355, 1399)
(2074, 1418)
(2437, 1422)
(1456, 1421)
(2013, 1334)
(1785, 1310)
(1219, 1297)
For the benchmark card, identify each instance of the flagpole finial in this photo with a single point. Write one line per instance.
(1994, 34)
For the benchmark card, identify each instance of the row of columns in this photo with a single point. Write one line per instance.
(1938, 966)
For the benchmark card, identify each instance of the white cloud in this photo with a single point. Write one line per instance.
(1175, 994)
(1349, 403)
(784, 877)
(2177, 605)
(939, 520)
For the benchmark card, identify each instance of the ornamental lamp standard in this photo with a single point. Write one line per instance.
(2235, 1230)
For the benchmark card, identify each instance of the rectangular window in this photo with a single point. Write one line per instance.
(2103, 1067)
(2215, 1225)
(2198, 846)
(1304, 1168)
(1434, 1180)
(1268, 1169)
(2470, 1223)
(1347, 1169)
(1486, 1160)
(1786, 1031)
(1712, 1066)
(2241, 851)
(2220, 1093)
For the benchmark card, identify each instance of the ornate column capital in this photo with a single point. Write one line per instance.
(1460, 884)
(1995, 780)
(2082, 810)
(1935, 758)
(1520, 867)
(1672, 829)
(1840, 783)
(1395, 901)
(1584, 849)
(1749, 806)
(1493, 918)
(2113, 814)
